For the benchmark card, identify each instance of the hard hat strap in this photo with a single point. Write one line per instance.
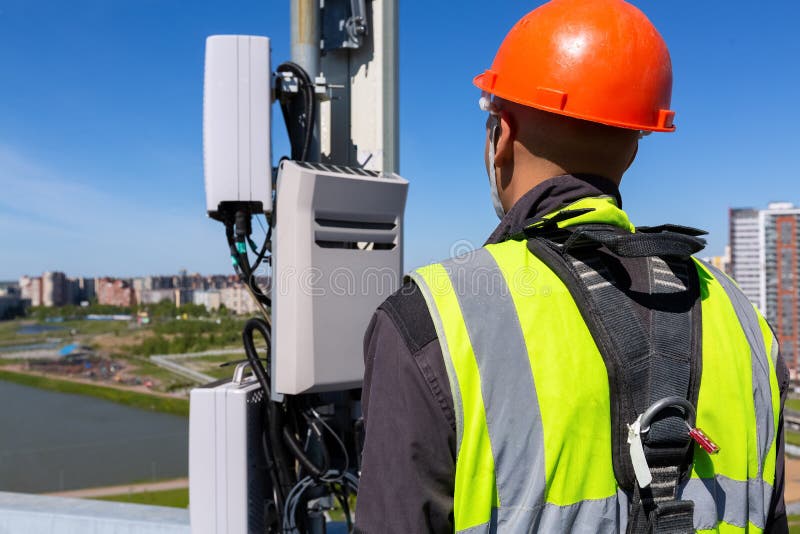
(494, 128)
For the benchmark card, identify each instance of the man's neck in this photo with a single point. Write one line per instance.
(550, 195)
(525, 172)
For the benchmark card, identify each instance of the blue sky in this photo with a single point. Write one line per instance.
(101, 116)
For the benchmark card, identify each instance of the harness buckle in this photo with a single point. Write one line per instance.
(641, 427)
(689, 414)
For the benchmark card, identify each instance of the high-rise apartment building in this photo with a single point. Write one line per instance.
(781, 294)
(764, 261)
(31, 289)
(86, 286)
(54, 289)
(746, 252)
(115, 292)
(211, 299)
(238, 300)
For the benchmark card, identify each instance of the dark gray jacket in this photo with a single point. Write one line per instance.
(408, 475)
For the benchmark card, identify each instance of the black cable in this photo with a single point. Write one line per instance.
(270, 222)
(313, 419)
(266, 245)
(232, 247)
(299, 451)
(242, 230)
(237, 229)
(272, 469)
(307, 86)
(342, 497)
(307, 484)
(241, 263)
(285, 468)
(264, 248)
(237, 362)
(312, 117)
(286, 115)
(308, 464)
(281, 472)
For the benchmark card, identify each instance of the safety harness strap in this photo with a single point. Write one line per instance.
(649, 340)
(655, 509)
(639, 245)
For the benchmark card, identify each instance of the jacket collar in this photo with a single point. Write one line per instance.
(556, 194)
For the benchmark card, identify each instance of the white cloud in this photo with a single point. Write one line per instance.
(50, 220)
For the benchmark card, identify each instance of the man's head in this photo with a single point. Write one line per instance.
(533, 145)
(571, 88)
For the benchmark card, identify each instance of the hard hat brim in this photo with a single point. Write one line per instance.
(487, 81)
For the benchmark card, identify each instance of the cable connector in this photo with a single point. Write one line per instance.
(287, 82)
(242, 228)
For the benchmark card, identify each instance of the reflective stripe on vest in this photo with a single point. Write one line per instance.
(531, 397)
(741, 480)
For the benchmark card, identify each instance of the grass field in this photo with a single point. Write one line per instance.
(9, 330)
(168, 381)
(130, 398)
(9, 334)
(177, 498)
(792, 438)
(83, 327)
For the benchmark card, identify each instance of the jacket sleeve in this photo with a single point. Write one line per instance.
(777, 522)
(408, 462)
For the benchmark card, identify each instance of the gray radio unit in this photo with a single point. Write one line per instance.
(337, 255)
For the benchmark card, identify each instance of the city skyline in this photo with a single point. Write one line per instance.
(112, 275)
(54, 289)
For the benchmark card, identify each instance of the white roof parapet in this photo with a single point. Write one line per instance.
(780, 206)
(22, 513)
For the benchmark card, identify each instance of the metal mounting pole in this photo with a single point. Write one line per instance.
(359, 123)
(305, 37)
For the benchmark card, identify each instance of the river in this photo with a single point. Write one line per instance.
(55, 441)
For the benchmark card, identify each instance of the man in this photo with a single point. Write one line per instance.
(554, 380)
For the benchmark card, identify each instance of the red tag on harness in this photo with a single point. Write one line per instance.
(704, 441)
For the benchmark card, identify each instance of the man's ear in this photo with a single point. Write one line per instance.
(504, 140)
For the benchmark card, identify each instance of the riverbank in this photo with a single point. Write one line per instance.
(136, 399)
(117, 353)
(173, 492)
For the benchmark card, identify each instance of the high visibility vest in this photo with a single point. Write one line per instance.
(531, 397)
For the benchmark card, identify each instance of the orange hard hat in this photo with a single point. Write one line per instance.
(597, 60)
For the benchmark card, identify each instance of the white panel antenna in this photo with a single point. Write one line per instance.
(237, 97)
